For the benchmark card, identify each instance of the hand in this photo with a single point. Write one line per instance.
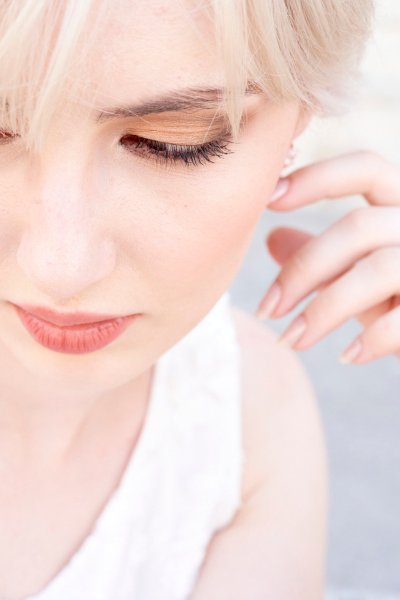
(354, 264)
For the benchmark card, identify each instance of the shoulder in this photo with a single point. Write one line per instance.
(272, 372)
(272, 367)
(275, 545)
(281, 418)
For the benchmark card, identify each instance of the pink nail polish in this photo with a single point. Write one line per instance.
(270, 302)
(294, 332)
(280, 190)
(351, 352)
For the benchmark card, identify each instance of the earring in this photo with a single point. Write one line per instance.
(290, 158)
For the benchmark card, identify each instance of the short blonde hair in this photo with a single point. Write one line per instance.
(305, 50)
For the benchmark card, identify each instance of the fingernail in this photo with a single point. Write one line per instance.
(270, 301)
(280, 190)
(351, 352)
(293, 332)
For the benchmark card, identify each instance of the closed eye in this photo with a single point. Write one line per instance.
(166, 153)
(163, 152)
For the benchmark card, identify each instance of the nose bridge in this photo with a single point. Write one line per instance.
(62, 200)
(63, 248)
(62, 161)
(60, 172)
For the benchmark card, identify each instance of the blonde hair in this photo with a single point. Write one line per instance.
(305, 50)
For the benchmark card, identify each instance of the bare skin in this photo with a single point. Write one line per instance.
(275, 546)
(47, 509)
(55, 510)
(129, 236)
(132, 236)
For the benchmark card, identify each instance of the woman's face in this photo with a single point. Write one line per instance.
(97, 223)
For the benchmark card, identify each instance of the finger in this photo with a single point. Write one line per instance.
(327, 256)
(370, 315)
(284, 241)
(361, 172)
(378, 340)
(371, 281)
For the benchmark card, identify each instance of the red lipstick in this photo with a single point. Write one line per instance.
(73, 333)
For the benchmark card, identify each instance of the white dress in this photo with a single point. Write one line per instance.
(182, 482)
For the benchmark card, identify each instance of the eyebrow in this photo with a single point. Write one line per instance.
(185, 99)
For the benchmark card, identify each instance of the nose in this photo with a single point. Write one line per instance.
(65, 246)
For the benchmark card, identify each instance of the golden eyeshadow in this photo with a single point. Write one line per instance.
(181, 128)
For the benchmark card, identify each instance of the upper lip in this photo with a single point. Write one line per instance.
(76, 318)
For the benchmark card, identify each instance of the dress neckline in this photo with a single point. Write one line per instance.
(106, 518)
(110, 525)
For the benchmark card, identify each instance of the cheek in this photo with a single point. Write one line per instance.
(192, 240)
(188, 233)
(219, 223)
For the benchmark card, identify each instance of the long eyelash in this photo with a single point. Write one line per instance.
(189, 155)
(165, 153)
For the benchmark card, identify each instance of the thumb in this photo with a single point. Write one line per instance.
(284, 241)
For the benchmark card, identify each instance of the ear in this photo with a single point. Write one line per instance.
(303, 120)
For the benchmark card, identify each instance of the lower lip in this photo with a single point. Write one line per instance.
(75, 339)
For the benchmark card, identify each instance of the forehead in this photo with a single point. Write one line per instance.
(142, 48)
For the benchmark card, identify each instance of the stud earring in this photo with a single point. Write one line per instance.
(290, 158)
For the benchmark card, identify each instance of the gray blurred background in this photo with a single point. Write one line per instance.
(360, 404)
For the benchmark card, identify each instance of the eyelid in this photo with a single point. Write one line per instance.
(174, 154)
(176, 140)
(178, 129)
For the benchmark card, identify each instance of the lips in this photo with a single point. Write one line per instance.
(78, 333)
(63, 319)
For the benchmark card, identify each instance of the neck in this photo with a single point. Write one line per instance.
(39, 426)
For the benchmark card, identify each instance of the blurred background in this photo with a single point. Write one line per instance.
(360, 404)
